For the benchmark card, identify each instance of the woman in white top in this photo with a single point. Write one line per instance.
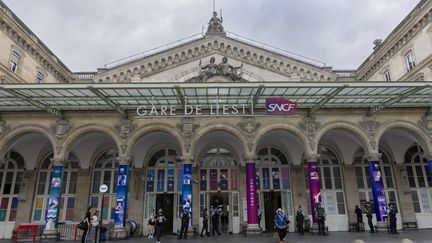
(151, 224)
(95, 219)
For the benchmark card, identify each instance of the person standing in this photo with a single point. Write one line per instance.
(369, 215)
(185, 217)
(392, 218)
(259, 217)
(300, 220)
(215, 223)
(151, 224)
(160, 223)
(281, 224)
(86, 220)
(205, 223)
(359, 214)
(321, 217)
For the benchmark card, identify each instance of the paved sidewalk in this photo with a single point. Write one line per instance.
(422, 236)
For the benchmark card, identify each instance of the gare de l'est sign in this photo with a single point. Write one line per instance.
(274, 106)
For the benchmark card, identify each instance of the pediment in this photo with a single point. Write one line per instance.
(182, 63)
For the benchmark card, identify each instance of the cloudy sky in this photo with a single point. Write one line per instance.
(86, 34)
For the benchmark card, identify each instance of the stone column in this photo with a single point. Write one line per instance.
(404, 194)
(252, 199)
(119, 232)
(25, 204)
(379, 198)
(54, 203)
(82, 195)
(136, 196)
(314, 184)
(298, 188)
(351, 191)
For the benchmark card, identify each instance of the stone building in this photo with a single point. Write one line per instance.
(207, 111)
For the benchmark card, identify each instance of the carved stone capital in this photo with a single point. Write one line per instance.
(426, 123)
(187, 127)
(374, 156)
(58, 161)
(187, 158)
(249, 125)
(124, 160)
(310, 126)
(125, 128)
(312, 157)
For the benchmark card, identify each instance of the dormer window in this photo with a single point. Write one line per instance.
(387, 76)
(409, 59)
(14, 61)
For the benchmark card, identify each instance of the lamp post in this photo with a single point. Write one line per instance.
(103, 189)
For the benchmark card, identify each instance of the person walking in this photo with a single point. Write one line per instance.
(205, 223)
(392, 211)
(321, 217)
(259, 217)
(185, 217)
(151, 224)
(359, 213)
(86, 220)
(300, 220)
(281, 224)
(160, 223)
(369, 215)
(215, 224)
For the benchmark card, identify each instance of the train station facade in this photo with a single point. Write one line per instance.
(216, 121)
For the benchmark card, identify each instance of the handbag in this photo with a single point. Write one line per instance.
(83, 225)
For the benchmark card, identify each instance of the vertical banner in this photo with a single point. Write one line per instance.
(223, 179)
(187, 190)
(53, 207)
(266, 178)
(276, 178)
(213, 180)
(161, 181)
(378, 191)
(314, 187)
(203, 180)
(121, 196)
(150, 180)
(285, 178)
(251, 194)
(171, 180)
(430, 172)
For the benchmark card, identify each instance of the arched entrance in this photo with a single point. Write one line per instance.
(11, 175)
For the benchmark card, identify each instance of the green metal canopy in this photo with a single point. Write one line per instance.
(121, 97)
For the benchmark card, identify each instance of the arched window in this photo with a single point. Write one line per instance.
(364, 181)
(419, 179)
(69, 182)
(105, 172)
(11, 174)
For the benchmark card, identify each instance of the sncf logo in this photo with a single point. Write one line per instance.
(280, 106)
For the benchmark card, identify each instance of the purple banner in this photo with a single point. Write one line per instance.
(378, 191)
(314, 187)
(430, 172)
(285, 178)
(203, 180)
(223, 179)
(150, 180)
(276, 179)
(266, 179)
(171, 180)
(121, 196)
(252, 197)
(280, 106)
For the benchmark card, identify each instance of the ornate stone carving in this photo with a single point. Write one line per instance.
(249, 125)
(215, 25)
(370, 125)
(374, 156)
(426, 123)
(310, 126)
(187, 127)
(4, 128)
(125, 128)
(217, 72)
(124, 160)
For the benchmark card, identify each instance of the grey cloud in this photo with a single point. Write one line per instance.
(88, 34)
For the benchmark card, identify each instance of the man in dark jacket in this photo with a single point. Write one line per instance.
(392, 211)
(300, 220)
(184, 223)
(160, 223)
(215, 223)
(369, 215)
(359, 214)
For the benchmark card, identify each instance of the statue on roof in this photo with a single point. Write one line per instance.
(215, 25)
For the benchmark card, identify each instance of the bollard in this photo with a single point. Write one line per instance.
(358, 241)
(406, 241)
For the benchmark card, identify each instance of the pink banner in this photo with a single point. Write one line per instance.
(314, 187)
(252, 197)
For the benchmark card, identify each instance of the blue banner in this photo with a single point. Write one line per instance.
(187, 190)
(430, 172)
(150, 180)
(54, 203)
(378, 191)
(122, 196)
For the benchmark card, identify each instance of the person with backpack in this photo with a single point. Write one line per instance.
(205, 223)
(151, 224)
(300, 220)
(160, 223)
(86, 221)
(321, 217)
(281, 223)
(369, 215)
(185, 217)
(392, 218)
